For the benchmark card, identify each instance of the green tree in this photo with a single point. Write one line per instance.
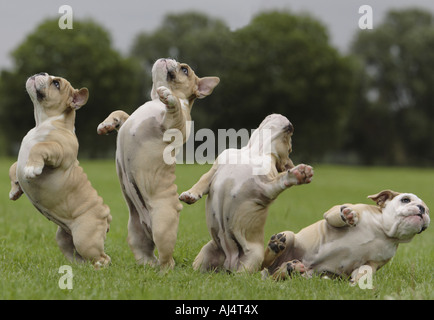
(393, 121)
(284, 63)
(280, 62)
(85, 57)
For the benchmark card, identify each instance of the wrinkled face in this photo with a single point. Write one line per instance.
(181, 80)
(52, 95)
(405, 215)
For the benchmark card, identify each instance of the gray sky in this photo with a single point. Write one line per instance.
(125, 19)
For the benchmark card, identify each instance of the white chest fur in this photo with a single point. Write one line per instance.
(34, 136)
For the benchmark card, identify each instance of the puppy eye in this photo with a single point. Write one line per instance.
(56, 84)
(185, 70)
(405, 200)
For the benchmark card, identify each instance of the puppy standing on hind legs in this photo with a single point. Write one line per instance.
(147, 180)
(48, 172)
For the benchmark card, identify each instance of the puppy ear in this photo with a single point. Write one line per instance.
(79, 98)
(383, 196)
(206, 85)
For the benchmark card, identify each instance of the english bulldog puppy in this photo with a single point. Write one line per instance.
(48, 172)
(147, 179)
(349, 238)
(241, 185)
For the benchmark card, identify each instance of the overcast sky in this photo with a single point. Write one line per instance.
(125, 19)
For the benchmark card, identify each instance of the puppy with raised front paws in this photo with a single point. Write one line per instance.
(48, 172)
(350, 237)
(147, 180)
(241, 185)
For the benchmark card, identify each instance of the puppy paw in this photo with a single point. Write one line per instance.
(301, 174)
(287, 269)
(277, 243)
(104, 261)
(31, 172)
(106, 127)
(189, 197)
(350, 216)
(113, 122)
(294, 266)
(15, 192)
(166, 97)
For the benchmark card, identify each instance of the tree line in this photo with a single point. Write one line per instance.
(373, 105)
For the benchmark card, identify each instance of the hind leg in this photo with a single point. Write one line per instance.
(210, 257)
(66, 245)
(165, 220)
(277, 244)
(88, 235)
(140, 240)
(252, 258)
(287, 268)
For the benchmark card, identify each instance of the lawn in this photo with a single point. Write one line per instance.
(30, 259)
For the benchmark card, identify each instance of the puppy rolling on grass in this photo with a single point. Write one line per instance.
(241, 185)
(147, 180)
(350, 236)
(48, 172)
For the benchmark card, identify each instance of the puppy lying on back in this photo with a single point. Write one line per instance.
(147, 180)
(241, 185)
(48, 172)
(349, 237)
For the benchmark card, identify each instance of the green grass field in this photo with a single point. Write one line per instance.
(30, 258)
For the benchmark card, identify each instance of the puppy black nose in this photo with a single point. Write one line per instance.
(421, 209)
(289, 128)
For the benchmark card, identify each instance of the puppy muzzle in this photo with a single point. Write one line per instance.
(425, 222)
(421, 214)
(163, 72)
(39, 83)
(289, 128)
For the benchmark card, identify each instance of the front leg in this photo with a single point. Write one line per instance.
(200, 188)
(16, 190)
(301, 174)
(342, 216)
(43, 153)
(113, 122)
(168, 98)
(174, 117)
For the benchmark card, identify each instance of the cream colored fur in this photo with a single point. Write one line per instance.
(147, 181)
(240, 192)
(349, 237)
(48, 172)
